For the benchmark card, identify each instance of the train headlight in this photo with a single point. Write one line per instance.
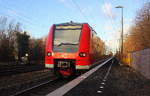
(82, 54)
(49, 53)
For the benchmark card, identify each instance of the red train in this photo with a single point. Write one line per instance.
(71, 47)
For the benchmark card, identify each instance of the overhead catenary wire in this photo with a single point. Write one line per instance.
(21, 17)
(110, 19)
(80, 10)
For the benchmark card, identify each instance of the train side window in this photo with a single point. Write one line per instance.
(92, 35)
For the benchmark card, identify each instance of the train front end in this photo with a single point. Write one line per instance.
(67, 48)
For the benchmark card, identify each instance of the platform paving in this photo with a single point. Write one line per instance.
(122, 81)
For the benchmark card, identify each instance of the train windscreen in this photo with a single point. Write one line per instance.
(66, 39)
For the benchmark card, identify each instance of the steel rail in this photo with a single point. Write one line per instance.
(33, 87)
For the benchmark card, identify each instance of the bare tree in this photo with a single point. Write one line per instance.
(37, 49)
(6, 40)
(139, 37)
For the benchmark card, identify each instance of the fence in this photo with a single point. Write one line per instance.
(140, 61)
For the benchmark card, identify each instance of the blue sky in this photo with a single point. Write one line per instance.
(36, 16)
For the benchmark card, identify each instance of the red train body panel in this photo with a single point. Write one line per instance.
(71, 47)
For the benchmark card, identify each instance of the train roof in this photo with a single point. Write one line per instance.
(73, 24)
(70, 23)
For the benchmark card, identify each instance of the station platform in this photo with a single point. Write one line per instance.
(94, 85)
(106, 79)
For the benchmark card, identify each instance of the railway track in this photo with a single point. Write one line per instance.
(11, 70)
(104, 82)
(44, 87)
(19, 83)
(47, 88)
(25, 91)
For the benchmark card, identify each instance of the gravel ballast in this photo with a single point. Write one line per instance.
(11, 84)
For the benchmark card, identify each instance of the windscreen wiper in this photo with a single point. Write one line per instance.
(67, 44)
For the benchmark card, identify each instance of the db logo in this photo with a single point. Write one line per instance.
(64, 55)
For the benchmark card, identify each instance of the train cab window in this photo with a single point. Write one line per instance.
(66, 36)
(66, 40)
